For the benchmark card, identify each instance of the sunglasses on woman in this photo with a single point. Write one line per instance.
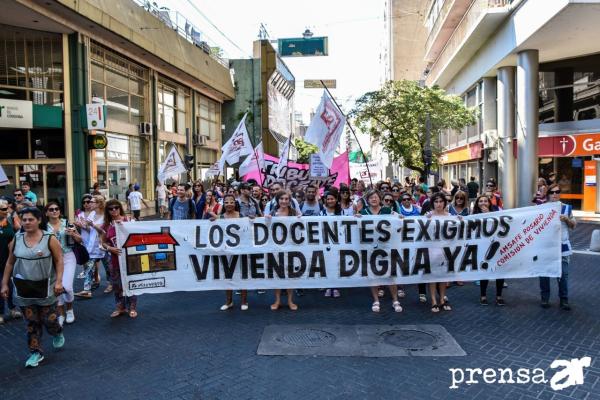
(554, 191)
(53, 209)
(113, 208)
(5, 209)
(406, 199)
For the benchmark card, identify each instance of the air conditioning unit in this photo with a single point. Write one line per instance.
(200, 140)
(145, 128)
(489, 139)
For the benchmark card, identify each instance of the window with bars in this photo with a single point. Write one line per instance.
(31, 60)
(120, 84)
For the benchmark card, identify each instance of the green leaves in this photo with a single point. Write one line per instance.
(395, 116)
(304, 150)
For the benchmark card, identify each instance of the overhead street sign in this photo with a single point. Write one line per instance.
(302, 47)
(316, 83)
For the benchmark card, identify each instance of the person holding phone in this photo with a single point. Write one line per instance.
(35, 267)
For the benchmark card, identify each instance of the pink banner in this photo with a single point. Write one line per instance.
(298, 174)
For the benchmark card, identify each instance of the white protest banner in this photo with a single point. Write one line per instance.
(255, 162)
(318, 170)
(237, 146)
(283, 157)
(360, 171)
(172, 166)
(214, 170)
(325, 129)
(95, 116)
(316, 252)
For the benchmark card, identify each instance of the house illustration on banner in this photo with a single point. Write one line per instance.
(150, 252)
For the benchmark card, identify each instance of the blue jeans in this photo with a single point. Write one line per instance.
(563, 282)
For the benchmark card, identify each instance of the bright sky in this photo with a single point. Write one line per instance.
(354, 27)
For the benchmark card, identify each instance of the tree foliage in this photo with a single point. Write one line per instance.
(304, 150)
(396, 117)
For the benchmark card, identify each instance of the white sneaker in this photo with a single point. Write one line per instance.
(401, 293)
(244, 307)
(70, 317)
(328, 293)
(61, 320)
(336, 293)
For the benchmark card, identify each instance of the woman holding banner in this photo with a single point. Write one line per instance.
(374, 207)
(439, 204)
(284, 209)
(113, 215)
(346, 204)
(332, 208)
(199, 198)
(231, 210)
(212, 208)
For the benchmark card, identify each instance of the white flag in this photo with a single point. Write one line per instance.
(283, 157)
(3, 178)
(214, 170)
(254, 162)
(237, 146)
(325, 129)
(172, 166)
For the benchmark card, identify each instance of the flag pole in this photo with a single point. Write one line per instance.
(351, 129)
(260, 173)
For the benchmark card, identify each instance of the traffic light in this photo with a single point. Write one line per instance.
(188, 161)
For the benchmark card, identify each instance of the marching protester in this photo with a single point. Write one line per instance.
(483, 205)
(212, 208)
(231, 210)
(472, 189)
(283, 209)
(568, 222)
(348, 207)
(491, 190)
(180, 206)
(407, 208)
(427, 205)
(439, 203)
(35, 266)
(135, 200)
(460, 205)
(113, 215)
(541, 195)
(311, 206)
(374, 207)
(199, 198)
(388, 201)
(99, 203)
(332, 208)
(257, 192)
(161, 198)
(248, 207)
(271, 206)
(66, 234)
(7, 233)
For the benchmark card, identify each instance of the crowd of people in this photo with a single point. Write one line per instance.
(40, 249)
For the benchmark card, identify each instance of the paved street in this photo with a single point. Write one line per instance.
(183, 347)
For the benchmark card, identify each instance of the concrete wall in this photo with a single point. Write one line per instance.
(131, 21)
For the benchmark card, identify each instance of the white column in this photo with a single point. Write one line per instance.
(527, 125)
(506, 135)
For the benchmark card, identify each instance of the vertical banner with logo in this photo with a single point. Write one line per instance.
(360, 171)
(95, 116)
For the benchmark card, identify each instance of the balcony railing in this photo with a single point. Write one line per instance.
(174, 20)
(464, 28)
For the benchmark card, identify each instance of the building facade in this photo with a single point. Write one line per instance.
(532, 71)
(159, 83)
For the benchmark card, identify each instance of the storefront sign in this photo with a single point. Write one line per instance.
(471, 151)
(570, 145)
(97, 142)
(95, 116)
(316, 252)
(16, 114)
(318, 170)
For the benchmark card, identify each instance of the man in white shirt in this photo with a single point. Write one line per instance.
(135, 201)
(161, 198)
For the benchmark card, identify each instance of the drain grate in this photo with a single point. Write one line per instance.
(409, 339)
(308, 338)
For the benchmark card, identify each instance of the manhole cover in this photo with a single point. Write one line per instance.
(308, 338)
(409, 339)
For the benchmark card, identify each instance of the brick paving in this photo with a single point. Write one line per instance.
(182, 347)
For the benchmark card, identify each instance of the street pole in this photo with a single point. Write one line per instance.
(351, 129)
(427, 148)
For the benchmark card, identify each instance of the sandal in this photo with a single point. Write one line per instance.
(380, 293)
(227, 306)
(293, 306)
(376, 307)
(133, 313)
(483, 301)
(435, 308)
(84, 294)
(397, 306)
(108, 289)
(446, 306)
(275, 306)
(118, 312)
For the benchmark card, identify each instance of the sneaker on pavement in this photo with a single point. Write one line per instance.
(328, 293)
(564, 305)
(422, 298)
(401, 293)
(505, 285)
(15, 314)
(70, 317)
(58, 341)
(61, 320)
(336, 293)
(34, 360)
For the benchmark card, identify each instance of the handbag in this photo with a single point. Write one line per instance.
(81, 254)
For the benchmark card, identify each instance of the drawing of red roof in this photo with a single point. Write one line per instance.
(162, 237)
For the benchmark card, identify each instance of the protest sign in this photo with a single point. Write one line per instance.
(360, 171)
(316, 252)
(317, 169)
(299, 174)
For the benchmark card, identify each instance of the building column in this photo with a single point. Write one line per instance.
(488, 119)
(506, 135)
(527, 125)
